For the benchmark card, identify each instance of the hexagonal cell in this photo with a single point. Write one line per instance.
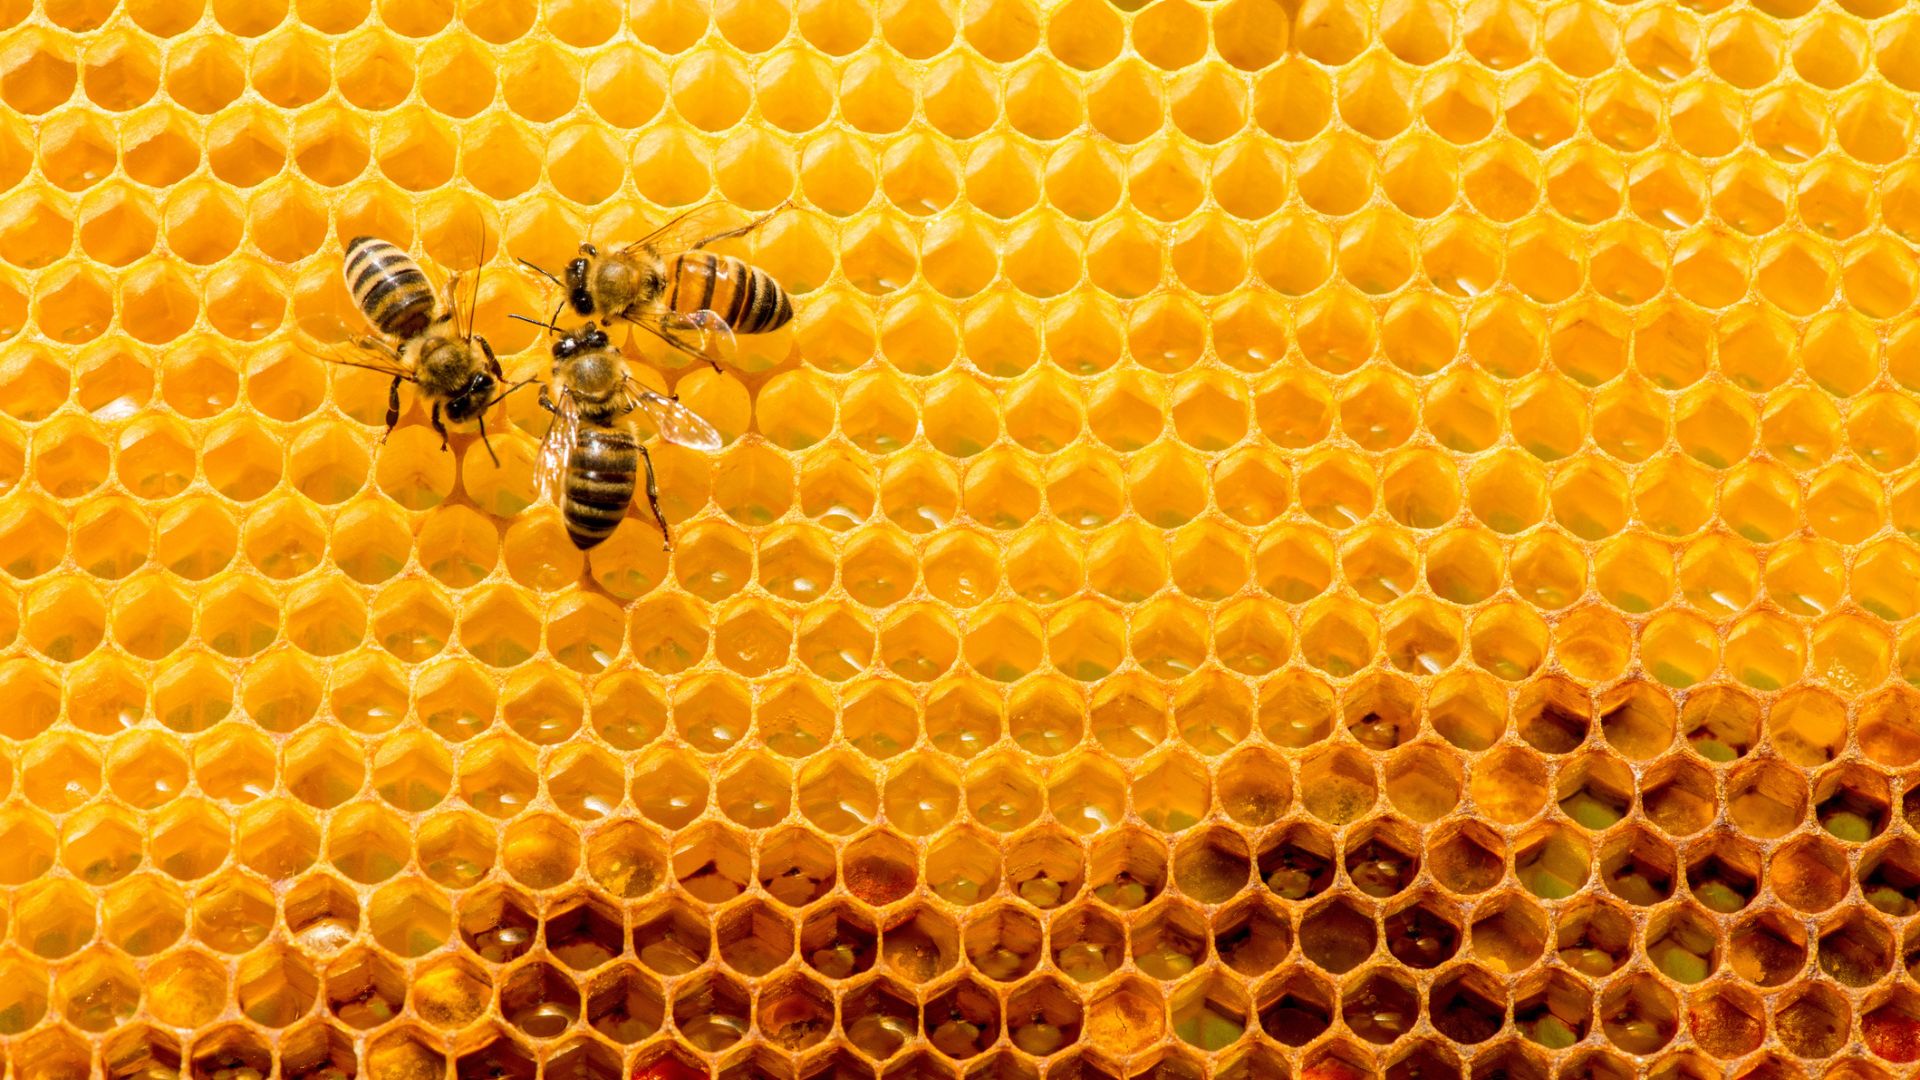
(1338, 935)
(1726, 1021)
(1127, 869)
(1813, 1023)
(140, 1050)
(450, 992)
(962, 1020)
(497, 924)
(1595, 790)
(1810, 874)
(838, 942)
(1889, 876)
(794, 1013)
(1767, 948)
(230, 1051)
(1381, 711)
(919, 944)
(1003, 943)
(1639, 867)
(712, 1011)
(795, 867)
(879, 1019)
(1594, 937)
(1169, 940)
(1379, 1006)
(1552, 1008)
(1856, 949)
(317, 1050)
(1678, 796)
(1088, 943)
(671, 938)
(540, 999)
(1466, 856)
(1252, 936)
(54, 918)
(1637, 719)
(583, 932)
(1127, 1018)
(1468, 1004)
(1382, 857)
(322, 913)
(1296, 1007)
(1639, 1015)
(485, 1052)
(1297, 862)
(1721, 723)
(364, 989)
(1723, 872)
(1045, 867)
(1683, 943)
(1422, 932)
(1553, 715)
(625, 1004)
(711, 864)
(1552, 861)
(1852, 802)
(755, 939)
(879, 868)
(1211, 867)
(963, 867)
(1337, 785)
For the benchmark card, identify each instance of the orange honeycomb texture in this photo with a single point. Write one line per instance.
(1288, 538)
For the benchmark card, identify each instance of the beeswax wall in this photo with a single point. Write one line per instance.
(1288, 538)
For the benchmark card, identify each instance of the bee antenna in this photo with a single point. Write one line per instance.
(547, 326)
(542, 271)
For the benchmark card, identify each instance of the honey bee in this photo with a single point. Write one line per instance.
(422, 340)
(667, 284)
(588, 458)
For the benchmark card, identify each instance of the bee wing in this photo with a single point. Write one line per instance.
(702, 225)
(659, 324)
(562, 436)
(327, 328)
(678, 424)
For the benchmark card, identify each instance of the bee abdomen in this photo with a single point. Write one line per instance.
(747, 297)
(388, 287)
(761, 305)
(600, 477)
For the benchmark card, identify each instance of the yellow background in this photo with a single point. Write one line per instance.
(1464, 447)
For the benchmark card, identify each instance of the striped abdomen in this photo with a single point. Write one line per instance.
(746, 296)
(598, 485)
(388, 287)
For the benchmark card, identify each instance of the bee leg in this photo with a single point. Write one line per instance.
(485, 443)
(744, 229)
(546, 400)
(393, 407)
(653, 497)
(439, 426)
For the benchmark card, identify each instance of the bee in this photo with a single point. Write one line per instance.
(587, 462)
(666, 283)
(422, 340)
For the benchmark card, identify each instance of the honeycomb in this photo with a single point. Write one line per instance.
(1288, 538)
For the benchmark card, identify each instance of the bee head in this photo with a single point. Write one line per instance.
(472, 398)
(576, 280)
(586, 339)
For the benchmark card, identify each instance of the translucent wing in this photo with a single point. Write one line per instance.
(677, 328)
(562, 436)
(704, 224)
(678, 424)
(329, 329)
